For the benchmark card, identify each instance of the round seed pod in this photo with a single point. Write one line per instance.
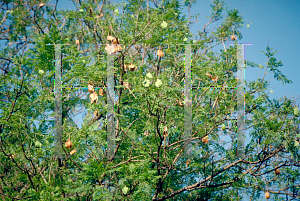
(165, 131)
(146, 133)
(131, 67)
(125, 67)
(127, 85)
(94, 97)
(115, 41)
(160, 53)
(91, 88)
(267, 195)
(205, 139)
(73, 152)
(233, 37)
(223, 127)
(41, 5)
(69, 144)
(77, 42)
(110, 38)
(277, 171)
(119, 48)
(101, 92)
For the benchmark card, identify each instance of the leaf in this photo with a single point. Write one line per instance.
(164, 24)
(41, 72)
(125, 190)
(298, 135)
(248, 25)
(272, 91)
(185, 39)
(296, 143)
(116, 12)
(81, 10)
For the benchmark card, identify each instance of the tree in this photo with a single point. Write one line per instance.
(149, 128)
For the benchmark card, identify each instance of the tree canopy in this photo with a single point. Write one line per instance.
(147, 46)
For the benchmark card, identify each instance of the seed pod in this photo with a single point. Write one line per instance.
(205, 139)
(91, 88)
(125, 67)
(165, 131)
(223, 127)
(146, 133)
(73, 152)
(41, 5)
(69, 144)
(99, 16)
(233, 37)
(187, 163)
(131, 67)
(94, 97)
(12, 156)
(119, 48)
(96, 113)
(77, 42)
(214, 79)
(160, 53)
(209, 75)
(267, 195)
(101, 92)
(277, 171)
(38, 144)
(115, 41)
(127, 85)
(296, 112)
(110, 38)
(10, 44)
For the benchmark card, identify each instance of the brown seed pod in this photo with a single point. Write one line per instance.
(205, 139)
(101, 92)
(233, 37)
(267, 195)
(96, 113)
(12, 156)
(99, 16)
(214, 79)
(127, 85)
(10, 44)
(115, 41)
(160, 53)
(146, 133)
(277, 171)
(69, 144)
(94, 97)
(41, 5)
(91, 88)
(110, 38)
(209, 75)
(119, 48)
(165, 131)
(131, 67)
(125, 67)
(77, 42)
(73, 152)
(187, 163)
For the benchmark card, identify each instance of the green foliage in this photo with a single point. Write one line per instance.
(143, 167)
